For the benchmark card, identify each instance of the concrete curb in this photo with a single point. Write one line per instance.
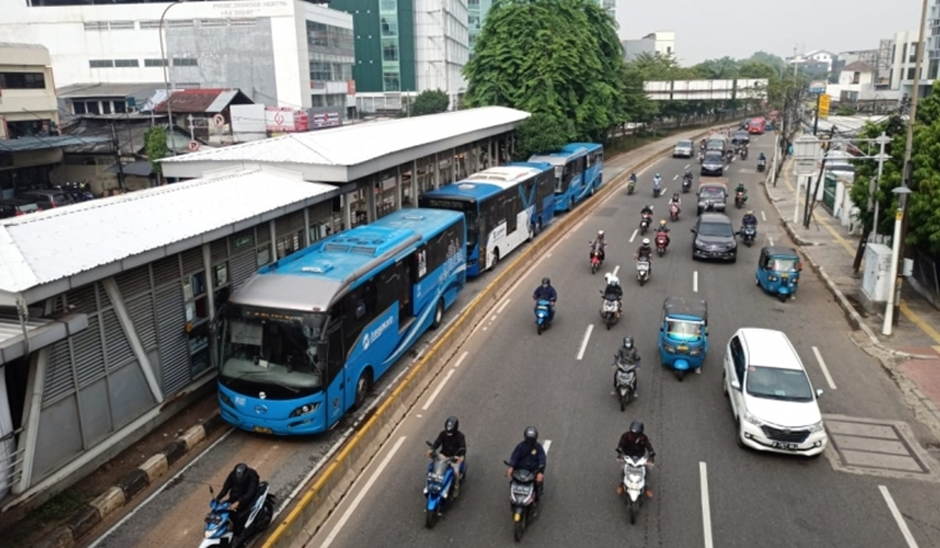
(329, 486)
(855, 320)
(117, 496)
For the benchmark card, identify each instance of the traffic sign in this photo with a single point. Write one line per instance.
(193, 146)
(824, 106)
(218, 120)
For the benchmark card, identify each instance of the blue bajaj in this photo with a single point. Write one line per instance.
(543, 315)
(683, 335)
(778, 271)
(439, 485)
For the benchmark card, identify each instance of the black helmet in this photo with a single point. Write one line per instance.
(451, 425)
(546, 281)
(241, 471)
(636, 427)
(628, 342)
(531, 435)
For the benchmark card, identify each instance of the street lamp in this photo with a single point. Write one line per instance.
(166, 77)
(894, 294)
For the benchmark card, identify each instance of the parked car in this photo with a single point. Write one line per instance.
(713, 164)
(13, 208)
(683, 149)
(714, 238)
(772, 398)
(48, 198)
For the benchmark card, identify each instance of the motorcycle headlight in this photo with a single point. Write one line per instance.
(752, 419)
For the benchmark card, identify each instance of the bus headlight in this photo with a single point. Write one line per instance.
(304, 410)
(225, 399)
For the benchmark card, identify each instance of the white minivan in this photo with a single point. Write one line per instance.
(771, 396)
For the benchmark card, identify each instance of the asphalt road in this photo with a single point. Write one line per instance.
(560, 382)
(172, 514)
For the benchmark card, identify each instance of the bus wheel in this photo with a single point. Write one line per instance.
(438, 314)
(363, 385)
(495, 257)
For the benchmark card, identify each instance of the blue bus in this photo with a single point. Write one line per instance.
(579, 172)
(303, 340)
(505, 206)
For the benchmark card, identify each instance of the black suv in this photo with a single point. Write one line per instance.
(12, 208)
(714, 238)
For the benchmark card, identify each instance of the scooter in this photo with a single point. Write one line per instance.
(686, 185)
(662, 242)
(542, 315)
(219, 526)
(439, 485)
(522, 494)
(625, 381)
(748, 234)
(761, 165)
(645, 223)
(634, 482)
(632, 185)
(642, 271)
(674, 211)
(596, 261)
(657, 187)
(739, 199)
(610, 309)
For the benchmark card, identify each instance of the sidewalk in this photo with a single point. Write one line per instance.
(912, 352)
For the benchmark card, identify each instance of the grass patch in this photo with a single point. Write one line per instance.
(59, 507)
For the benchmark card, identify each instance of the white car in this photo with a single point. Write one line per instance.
(683, 149)
(771, 396)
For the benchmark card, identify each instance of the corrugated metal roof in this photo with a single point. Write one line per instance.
(357, 144)
(55, 244)
(201, 101)
(52, 141)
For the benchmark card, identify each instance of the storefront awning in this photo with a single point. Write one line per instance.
(41, 332)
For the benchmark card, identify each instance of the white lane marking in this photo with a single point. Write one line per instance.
(493, 317)
(584, 342)
(663, 193)
(633, 236)
(695, 282)
(547, 255)
(616, 269)
(169, 482)
(763, 216)
(419, 415)
(770, 240)
(676, 176)
(503, 306)
(460, 359)
(547, 445)
(687, 166)
(706, 507)
(825, 370)
(437, 391)
(362, 493)
(911, 543)
(577, 226)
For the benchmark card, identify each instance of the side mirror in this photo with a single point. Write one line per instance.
(692, 230)
(819, 392)
(735, 384)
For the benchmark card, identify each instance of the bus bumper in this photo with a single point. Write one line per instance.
(311, 423)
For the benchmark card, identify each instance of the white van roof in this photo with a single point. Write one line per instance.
(769, 348)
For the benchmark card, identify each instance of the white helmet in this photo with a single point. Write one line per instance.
(612, 279)
(646, 242)
(600, 233)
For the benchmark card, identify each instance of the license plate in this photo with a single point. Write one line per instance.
(517, 517)
(262, 430)
(786, 446)
(682, 348)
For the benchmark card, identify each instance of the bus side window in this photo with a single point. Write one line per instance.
(336, 353)
(394, 286)
(581, 164)
(512, 207)
(570, 170)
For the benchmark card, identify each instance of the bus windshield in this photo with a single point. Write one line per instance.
(559, 179)
(469, 209)
(281, 353)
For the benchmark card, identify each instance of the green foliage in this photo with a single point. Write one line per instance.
(155, 147)
(431, 101)
(557, 57)
(773, 61)
(541, 132)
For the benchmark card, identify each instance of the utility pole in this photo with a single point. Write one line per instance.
(876, 183)
(117, 157)
(811, 198)
(816, 120)
(908, 173)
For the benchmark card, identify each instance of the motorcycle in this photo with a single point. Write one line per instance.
(701, 157)
(744, 154)
(674, 211)
(596, 260)
(625, 381)
(634, 482)
(439, 485)
(632, 186)
(748, 234)
(219, 526)
(657, 188)
(739, 199)
(542, 315)
(610, 310)
(761, 165)
(522, 493)
(662, 242)
(686, 185)
(645, 223)
(642, 271)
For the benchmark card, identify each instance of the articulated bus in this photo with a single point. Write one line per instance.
(505, 206)
(304, 339)
(579, 172)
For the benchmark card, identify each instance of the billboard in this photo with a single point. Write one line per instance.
(285, 120)
(707, 90)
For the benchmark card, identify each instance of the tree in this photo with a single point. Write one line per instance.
(773, 61)
(155, 147)
(430, 101)
(725, 68)
(541, 132)
(523, 59)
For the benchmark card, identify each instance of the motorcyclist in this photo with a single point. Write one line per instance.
(530, 455)
(626, 354)
(688, 175)
(762, 158)
(657, 182)
(452, 443)
(646, 212)
(663, 229)
(546, 292)
(598, 245)
(645, 253)
(740, 188)
(634, 443)
(242, 486)
(614, 291)
(633, 177)
(676, 200)
(749, 219)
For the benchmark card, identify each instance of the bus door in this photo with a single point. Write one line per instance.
(335, 400)
(572, 177)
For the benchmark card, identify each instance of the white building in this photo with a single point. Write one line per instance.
(661, 42)
(28, 104)
(286, 53)
(441, 46)
(904, 62)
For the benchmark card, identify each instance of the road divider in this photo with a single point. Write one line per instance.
(327, 488)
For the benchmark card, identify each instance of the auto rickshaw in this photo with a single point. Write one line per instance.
(778, 271)
(683, 335)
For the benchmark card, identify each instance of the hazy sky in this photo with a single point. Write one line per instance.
(707, 29)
